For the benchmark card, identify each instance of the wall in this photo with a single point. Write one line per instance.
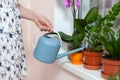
(36, 69)
(63, 16)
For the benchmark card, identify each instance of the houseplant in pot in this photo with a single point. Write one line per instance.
(110, 40)
(75, 58)
(94, 51)
(100, 28)
(111, 59)
(79, 31)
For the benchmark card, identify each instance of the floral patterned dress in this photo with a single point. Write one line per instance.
(12, 56)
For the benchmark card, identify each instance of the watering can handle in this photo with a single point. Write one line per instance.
(54, 31)
(58, 36)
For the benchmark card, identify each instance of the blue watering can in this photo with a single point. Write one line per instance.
(47, 48)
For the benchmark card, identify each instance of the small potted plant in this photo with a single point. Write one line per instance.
(94, 51)
(111, 59)
(100, 29)
(110, 40)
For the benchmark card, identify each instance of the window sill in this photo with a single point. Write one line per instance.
(79, 70)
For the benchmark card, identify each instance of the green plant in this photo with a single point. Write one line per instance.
(91, 38)
(108, 36)
(112, 44)
(79, 29)
(101, 28)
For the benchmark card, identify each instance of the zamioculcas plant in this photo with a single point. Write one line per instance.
(110, 40)
(100, 33)
(112, 44)
(101, 26)
(109, 37)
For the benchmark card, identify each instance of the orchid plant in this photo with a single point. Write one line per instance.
(76, 37)
(79, 24)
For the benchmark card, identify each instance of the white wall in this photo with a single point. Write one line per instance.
(36, 69)
(63, 20)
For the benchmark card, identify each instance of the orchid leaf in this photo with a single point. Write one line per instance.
(91, 15)
(65, 37)
(79, 24)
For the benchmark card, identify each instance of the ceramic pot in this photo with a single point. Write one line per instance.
(110, 67)
(76, 58)
(92, 60)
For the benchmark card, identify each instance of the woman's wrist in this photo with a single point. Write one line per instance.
(35, 16)
(32, 15)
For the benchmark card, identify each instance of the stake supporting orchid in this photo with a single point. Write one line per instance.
(74, 4)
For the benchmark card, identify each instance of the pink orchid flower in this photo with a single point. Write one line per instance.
(67, 3)
(78, 3)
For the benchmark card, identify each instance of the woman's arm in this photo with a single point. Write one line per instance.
(43, 23)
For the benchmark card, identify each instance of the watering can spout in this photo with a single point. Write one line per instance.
(70, 52)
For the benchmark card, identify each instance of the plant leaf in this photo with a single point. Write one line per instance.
(75, 43)
(109, 25)
(79, 24)
(65, 37)
(81, 36)
(107, 45)
(91, 15)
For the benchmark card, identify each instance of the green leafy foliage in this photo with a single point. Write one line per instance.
(96, 31)
(100, 31)
(92, 32)
(92, 39)
(112, 44)
(111, 39)
(79, 29)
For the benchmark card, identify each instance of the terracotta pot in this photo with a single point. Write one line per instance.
(76, 58)
(110, 67)
(92, 60)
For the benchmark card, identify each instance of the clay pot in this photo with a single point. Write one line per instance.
(92, 60)
(76, 58)
(110, 67)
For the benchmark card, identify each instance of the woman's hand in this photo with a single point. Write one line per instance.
(42, 22)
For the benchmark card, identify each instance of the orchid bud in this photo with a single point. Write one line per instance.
(67, 3)
(78, 3)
